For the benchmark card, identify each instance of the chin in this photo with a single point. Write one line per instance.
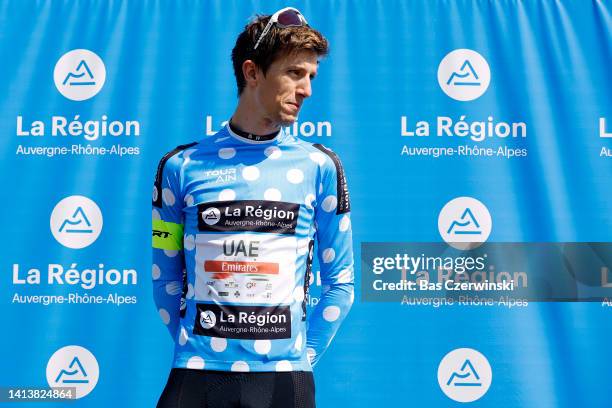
(287, 120)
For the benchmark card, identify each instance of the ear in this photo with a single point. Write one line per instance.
(250, 71)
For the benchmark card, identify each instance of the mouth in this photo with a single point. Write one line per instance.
(294, 105)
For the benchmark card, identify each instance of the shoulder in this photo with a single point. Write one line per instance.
(175, 156)
(325, 157)
(170, 162)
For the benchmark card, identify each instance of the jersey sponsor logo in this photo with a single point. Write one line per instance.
(227, 267)
(221, 175)
(243, 322)
(211, 216)
(248, 215)
(207, 319)
(344, 204)
(254, 268)
(167, 235)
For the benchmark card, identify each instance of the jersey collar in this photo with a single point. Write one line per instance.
(253, 139)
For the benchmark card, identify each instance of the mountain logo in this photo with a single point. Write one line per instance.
(76, 222)
(207, 319)
(75, 374)
(80, 224)
(211, 215)
(464, 223)
(73, 366)
(464, 74)
(79, 74)
(464, 375)
(81, 77)
(462, 78)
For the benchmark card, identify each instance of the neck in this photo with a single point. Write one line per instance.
(248, 119)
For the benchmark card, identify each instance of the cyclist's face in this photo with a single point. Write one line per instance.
(281, 92)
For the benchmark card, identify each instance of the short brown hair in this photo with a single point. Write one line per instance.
(278, 41)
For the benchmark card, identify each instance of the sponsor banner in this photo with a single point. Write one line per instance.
(243, 322)
(248, 215)
(245, 268)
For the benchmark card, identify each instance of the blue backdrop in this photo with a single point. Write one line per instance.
(529, 82)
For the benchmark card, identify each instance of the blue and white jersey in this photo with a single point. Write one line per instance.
(234, 226)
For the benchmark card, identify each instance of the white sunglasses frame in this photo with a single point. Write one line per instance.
(274, 19)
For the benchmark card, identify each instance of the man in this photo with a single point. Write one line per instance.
(235, 217)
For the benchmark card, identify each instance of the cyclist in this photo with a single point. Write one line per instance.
(235, 219)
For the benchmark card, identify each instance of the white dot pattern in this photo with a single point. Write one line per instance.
(227, 195)
(345, 223)
(227, 153)
(283, 365)
(250, 173)
(329, 255)
(168, 196)
(170, 253)
(218, 344)
(155, 271)
(189, 242)
(273, 152)
(295, 176)
(317, 157)
(329, 203)
(196, 363)
(183, 337)
(280, 175)
(173, 288)
(240, 366)
(189, 200)
(262, 346)
(331, 313)
(273, 194)
(165, 316)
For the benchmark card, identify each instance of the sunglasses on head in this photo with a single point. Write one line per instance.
(287, 17)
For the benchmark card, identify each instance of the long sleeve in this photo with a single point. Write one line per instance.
(168, 269)
(335, 254)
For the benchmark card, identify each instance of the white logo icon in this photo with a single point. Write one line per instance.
(73, 366)
(79, 74)
(155, 193)
(211, 216)
(464, 223)
(207, 319)
(464, 375)
(76, 222)
(464, 74)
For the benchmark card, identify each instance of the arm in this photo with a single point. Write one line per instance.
(335, 252)
(168, 260)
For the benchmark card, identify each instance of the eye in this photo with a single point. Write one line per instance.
(294, 72)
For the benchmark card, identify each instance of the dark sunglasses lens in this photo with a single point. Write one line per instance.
(289, 18)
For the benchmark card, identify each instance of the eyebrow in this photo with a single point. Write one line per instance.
(302, 68)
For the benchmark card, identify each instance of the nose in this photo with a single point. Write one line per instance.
(304, 89)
